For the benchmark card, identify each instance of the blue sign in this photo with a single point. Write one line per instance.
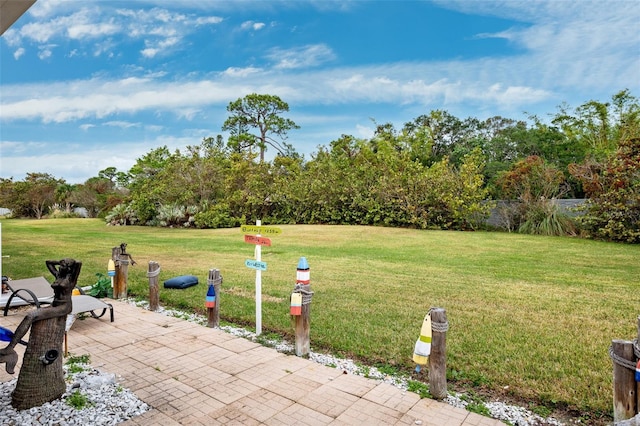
(255, 264)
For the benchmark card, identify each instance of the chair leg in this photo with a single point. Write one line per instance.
(104, 311)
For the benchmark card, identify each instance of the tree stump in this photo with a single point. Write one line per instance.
(41, 376)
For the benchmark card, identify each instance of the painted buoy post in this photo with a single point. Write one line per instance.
(301, 307)
(154, 294)
(111, 270)
(212, 302)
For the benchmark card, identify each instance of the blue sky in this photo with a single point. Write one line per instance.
(86, 85)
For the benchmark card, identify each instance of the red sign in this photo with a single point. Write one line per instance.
(252, 239)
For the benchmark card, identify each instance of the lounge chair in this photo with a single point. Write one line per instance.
(38, 291)
(29, 291)
(84, 303)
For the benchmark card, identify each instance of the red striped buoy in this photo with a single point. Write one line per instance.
(296, 304)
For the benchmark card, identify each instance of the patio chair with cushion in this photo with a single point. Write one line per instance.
(38, 291)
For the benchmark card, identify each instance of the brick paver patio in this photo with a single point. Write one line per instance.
(193, 375)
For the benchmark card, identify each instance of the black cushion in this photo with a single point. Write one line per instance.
(182, 281)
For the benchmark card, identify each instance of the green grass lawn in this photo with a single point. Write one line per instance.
(531, 317)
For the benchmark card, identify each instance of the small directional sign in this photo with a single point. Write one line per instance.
(262, 230)
(252, 239)
(255, 264)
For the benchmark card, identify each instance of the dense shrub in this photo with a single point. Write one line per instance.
(535, 185)
(545, 218)
(216, 216)
(174, 215)
(122, 214)
(613, 210)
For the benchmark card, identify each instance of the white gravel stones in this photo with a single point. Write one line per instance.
(107, 403)
(514, 415)
(634, 421)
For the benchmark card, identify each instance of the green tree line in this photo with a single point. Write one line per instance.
(436, 172)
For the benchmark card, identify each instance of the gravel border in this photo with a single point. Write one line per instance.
(107, 403)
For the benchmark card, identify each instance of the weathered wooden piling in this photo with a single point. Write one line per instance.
(154, 294)
(213, 314)
(624, 383)
(438, 358)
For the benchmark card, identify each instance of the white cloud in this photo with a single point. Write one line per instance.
(208, 20)
(106, 46)
(12, 37)
(156, 47)
(86, 127)
(99, 98)
(38, 32)
(44, 8)
(251, 25)
(301, 57)
(364, 132)
(45, 52)
(240, 72)
(158, 28)
(558, 54)
(76, 163)
(18, 53)
(149, 52)
(85, 30)
(121, 124)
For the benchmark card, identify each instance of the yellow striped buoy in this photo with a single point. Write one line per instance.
(422, 349)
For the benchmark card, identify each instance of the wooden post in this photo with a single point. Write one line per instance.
(636, 360)
(438, 359)
(154, 294)
(121, 258)
(213, 314)
(624, 383)
(120, 283)
(303, 323)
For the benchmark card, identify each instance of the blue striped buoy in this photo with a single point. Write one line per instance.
(211, 297)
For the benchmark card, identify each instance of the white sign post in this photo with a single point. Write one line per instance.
(258, 264)
(258, 252)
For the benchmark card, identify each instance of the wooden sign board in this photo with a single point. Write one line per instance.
(262, 230)
(252, 239)
(255, 264)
